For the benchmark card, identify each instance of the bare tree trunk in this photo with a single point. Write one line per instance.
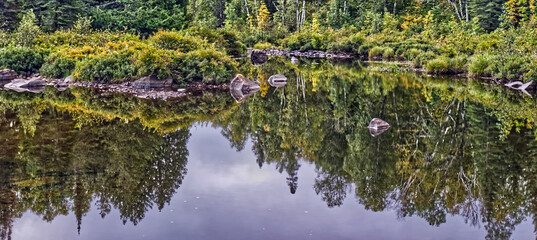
(394, 6)
(247, 10)
(298, 14)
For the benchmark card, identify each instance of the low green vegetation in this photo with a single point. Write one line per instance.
(195, 40)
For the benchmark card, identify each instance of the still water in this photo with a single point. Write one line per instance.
(295, 162)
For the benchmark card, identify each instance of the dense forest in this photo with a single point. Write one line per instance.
(105, 40)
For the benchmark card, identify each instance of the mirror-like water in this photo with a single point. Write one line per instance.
(458, 162)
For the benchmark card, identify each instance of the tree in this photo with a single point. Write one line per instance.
(487, 12)
(27, 31)
(263, 18)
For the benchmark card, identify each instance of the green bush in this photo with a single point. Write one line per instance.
(512, 67)
(363, 50)
(58, 66)
(106, 68)
(438, 65)
(481, 65)
(376, 52)
(22, 59)
(207, 65)
(411, 54)
(388, 53)
(263, 46)
(176, 41)
(458, 64)
(423, 58)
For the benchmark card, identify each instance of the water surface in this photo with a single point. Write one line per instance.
(287, 163)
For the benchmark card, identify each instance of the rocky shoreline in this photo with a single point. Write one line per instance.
(306, 54)
(145, 87)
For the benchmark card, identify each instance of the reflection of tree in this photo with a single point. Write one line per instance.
(442, 156)
(454, 148)
(60, 169)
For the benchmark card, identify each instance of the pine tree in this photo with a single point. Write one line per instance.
(9, 9)
(487, 12)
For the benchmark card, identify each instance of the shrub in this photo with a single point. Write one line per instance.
(263, 46)
(207, 65)
(388, 53)
(175, 41)
(411, 54)
(376, 52)
(438, 65)
(363, 50)
(21, 59)
(458, 64)
(481, 65)
(105, 68)
(423, 58)
(5, 39)
(152, 61)
(512, 67)
(58, 66)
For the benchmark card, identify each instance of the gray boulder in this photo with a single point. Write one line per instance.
(258, 57)
(152, 82)
(277, 80)
(242, 87)
(378, 126)
(7, 75)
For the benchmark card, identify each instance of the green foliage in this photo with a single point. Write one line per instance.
(207, 65)
(411, 54)
(57, 66)
(106, 68)
(438, 65)
(263, 46)
(376, 52)
(423, 58)
(481, 65)
(176, 41)
(388, 53)
(21, 59)
(27, 31)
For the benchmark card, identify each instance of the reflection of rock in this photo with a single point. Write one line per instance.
(277, 80)
(152, 82)
(377, 127)
(527, 88)
(7, 75)
(242, 87)
(34, 85)
(294, 60)
(258, 57)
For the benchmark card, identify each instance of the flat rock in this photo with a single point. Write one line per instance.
(23, 85)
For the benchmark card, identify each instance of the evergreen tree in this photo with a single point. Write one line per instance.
(9, 9)
(487, 12)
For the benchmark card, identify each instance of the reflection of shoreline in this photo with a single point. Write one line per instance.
(60, 169)
(442, 155)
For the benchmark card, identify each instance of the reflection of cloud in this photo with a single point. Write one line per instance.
(237, 200)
